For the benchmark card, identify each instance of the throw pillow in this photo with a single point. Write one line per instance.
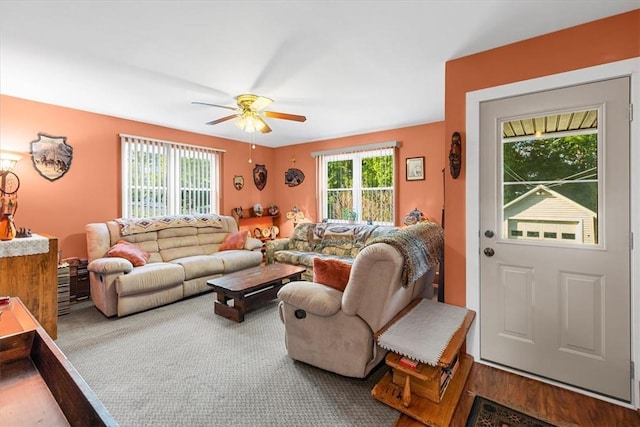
(331, 272)
(235, 240)
(129, 251)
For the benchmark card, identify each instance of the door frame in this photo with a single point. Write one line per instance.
(630, 67)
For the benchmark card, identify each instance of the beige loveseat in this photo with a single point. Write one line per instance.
(183, 256)
(334, 330)
(323, 240)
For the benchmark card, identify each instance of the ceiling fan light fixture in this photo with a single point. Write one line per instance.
(249, 122)
(250, 115)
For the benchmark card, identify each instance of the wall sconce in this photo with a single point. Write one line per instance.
(9, 181)
(9, 184)
(8, 160)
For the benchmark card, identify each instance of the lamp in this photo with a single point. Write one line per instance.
(296, 215)
(9, 184)
(250, 122)
(9, 181)
(8, 160)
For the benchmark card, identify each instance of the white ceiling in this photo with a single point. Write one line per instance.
(351, 67)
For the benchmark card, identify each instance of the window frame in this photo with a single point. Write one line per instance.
(356, 155)
(171, 173)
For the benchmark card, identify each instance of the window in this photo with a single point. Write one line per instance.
(551, 168)
(357, 184)
(168, 178)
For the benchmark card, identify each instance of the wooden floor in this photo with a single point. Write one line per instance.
(549, 403)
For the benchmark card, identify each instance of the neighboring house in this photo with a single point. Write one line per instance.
(543, 214)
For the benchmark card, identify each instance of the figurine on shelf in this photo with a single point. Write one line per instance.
(257, 209)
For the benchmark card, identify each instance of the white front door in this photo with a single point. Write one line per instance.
(555, 235)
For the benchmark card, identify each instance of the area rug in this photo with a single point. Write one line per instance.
(181, 365)
(487, 413)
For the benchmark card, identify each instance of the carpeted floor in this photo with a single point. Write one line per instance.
(485, 412)
(181, 365)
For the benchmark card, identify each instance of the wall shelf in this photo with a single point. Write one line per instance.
(250, 222)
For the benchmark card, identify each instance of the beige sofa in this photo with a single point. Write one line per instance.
(183, 256)
(323, 240)
(334, 330)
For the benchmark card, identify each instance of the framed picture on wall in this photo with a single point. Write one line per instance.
(415, 168)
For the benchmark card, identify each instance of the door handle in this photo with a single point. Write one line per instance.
(488, 233)
(488, 252)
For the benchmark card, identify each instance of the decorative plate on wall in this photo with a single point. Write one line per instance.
(293, 177)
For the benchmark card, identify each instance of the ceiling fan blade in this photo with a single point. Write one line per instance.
(284, 116)
(224, 119)
(214, 105)
(265, 128)
(261, 103)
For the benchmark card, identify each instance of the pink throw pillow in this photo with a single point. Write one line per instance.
(235, 240)
(133, 253)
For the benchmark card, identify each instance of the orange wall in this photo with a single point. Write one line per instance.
(608, 40)
(415, 141)
(90, 190)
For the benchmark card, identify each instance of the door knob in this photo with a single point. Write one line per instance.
(488, 233)
(488, 252)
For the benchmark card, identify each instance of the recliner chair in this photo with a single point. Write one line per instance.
(334, 330)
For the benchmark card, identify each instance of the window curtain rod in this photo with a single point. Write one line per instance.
(356, 148)
(177, 144)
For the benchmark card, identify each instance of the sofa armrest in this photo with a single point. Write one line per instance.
(110, 265)
(253, 244)
(272, 247)
(312, 297)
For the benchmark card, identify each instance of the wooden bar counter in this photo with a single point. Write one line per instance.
(34, 279)
(38, 385)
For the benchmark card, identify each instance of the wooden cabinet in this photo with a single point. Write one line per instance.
(252, 223)
(34, 279)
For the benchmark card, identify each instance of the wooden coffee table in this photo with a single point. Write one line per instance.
(250, 287)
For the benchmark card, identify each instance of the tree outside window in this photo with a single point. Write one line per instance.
(360, 187)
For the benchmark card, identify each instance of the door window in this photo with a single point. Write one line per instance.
(550, 178)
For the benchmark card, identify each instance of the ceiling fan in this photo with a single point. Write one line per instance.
(250, 113)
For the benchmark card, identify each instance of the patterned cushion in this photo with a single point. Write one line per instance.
(143, 225)
(316, 233)
(339, 237)
(301, 232)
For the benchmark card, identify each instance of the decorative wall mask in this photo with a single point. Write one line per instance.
(293, 177)
(260, 176)
(455, 155)
(238, 182)
(51, 156)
